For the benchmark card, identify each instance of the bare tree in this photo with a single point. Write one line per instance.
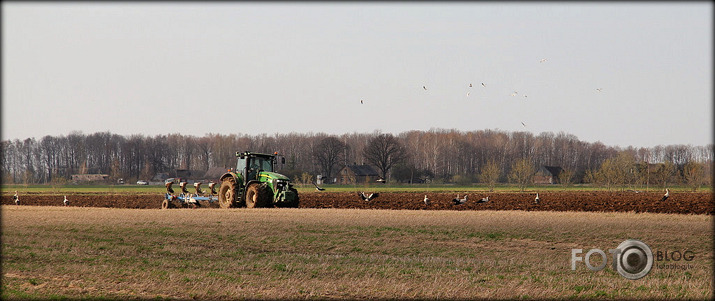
(522, 173)
(384, 151)
(694, 174)
(329, 153)
(566, 177)
(490, 174)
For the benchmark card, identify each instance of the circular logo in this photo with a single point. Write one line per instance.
(635, 259)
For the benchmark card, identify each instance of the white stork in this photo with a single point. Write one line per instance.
(458, 201)
(368, 197)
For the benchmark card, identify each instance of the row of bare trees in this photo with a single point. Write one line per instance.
(437, 155)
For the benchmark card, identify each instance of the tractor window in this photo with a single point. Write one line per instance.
(262, 164)
(241, 165)
(266, 164)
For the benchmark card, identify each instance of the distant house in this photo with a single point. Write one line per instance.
(90, 178)
(214, 173)
(548, 175)
(160, 177)
(186, 175)
(353, 174)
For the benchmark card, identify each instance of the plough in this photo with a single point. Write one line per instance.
(186, 198)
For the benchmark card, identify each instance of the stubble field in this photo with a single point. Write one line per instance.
(305, 253)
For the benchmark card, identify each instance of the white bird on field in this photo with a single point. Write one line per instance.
(536, 200)
(483, 200)
(666, 195)
(66, 202)
(426, 200)
(369, 197)
(16, 198)
(458, 201)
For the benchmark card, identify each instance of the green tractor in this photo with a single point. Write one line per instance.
(254, 183)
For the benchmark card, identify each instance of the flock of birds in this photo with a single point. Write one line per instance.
(456, 201)
(16, 200)
(513, 94)
(363, 196)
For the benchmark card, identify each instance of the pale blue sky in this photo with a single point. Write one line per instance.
(249, 67)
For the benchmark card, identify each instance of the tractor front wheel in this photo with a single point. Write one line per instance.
(227, 193)
(258, 195)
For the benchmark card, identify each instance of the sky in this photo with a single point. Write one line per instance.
(625, 74)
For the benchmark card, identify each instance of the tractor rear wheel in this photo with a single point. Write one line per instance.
(258, 195)
(227, 193)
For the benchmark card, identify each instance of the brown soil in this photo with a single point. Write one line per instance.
(683, 203)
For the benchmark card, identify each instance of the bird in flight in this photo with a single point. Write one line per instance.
(458, 201)
(599, 89)
(666, 195)
(542, 60)
(514, 94)
(470, 85)
(318, 188)
(467, 93)
(483, 85)
(423, 87)
(361, 101)
(368, 197)
(66, 201)
(483, 200)
(522, 123)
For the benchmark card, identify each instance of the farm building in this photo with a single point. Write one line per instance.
(90, 178)
(214, 173)
(353, 174)
(548, 175)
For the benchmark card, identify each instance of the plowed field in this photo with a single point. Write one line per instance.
(684, 203)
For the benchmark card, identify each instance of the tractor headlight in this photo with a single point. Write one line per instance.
(280, 185)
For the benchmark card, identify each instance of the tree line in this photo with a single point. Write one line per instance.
(437, 155)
